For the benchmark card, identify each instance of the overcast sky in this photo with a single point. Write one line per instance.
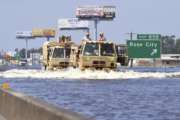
(138, 16)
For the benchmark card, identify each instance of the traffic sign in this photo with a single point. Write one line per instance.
(148, 36)
(144, 48)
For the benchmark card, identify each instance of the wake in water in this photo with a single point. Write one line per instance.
(71, 73)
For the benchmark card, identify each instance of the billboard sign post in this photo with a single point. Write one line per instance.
(25, 35)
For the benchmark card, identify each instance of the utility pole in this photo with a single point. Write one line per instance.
(131, 35)
(26, 51)
(131, 38)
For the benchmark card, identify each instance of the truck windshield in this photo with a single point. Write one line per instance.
(107, 49)
(91, 49)
(58, 53)
(68, 52)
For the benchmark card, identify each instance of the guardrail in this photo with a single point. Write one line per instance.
(17, 106)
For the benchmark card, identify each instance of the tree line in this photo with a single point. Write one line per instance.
(21, 53)
(170, 45)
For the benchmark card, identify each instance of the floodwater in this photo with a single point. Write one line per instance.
(128, 94)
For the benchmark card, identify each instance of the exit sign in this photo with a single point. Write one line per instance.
(144, 48)
(148, 36)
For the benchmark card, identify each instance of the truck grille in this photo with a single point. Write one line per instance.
(99, 63)
(63, 63)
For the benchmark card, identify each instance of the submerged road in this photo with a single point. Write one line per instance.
(146, 97)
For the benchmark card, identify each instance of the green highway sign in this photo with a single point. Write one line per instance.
(144, 48)
(148, 36)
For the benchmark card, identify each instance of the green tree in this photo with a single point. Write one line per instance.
(22, 53)
(168, 44)
(178, 46)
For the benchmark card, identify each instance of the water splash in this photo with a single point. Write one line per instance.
(88, 74)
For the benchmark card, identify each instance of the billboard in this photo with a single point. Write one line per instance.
(37, 32)
(24, 34)
(49, 33)
(72, 23)
(91, 12)
(43, 32)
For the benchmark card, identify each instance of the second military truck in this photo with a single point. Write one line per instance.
(57, 54)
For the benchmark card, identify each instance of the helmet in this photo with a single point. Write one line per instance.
(87, 33)
(101, 34)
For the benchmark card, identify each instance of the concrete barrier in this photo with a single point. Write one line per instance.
(17, 106)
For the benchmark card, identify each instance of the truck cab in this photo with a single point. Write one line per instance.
(56, 55)
(59, 57)
(97, 55)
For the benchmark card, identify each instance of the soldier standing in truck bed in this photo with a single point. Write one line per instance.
(101, 37)
(87, 37)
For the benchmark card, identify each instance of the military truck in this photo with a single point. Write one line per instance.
(122, 56)
(97, 55)
(57, 54)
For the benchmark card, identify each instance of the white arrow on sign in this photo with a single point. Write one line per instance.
(154, 52)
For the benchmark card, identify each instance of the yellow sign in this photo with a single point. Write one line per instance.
(43, 33)
(49, 32)
(37, 32)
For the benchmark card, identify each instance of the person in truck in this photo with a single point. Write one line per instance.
(101, 37)
(87, 37)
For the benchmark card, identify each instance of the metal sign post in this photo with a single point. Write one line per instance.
(48, 38)
(25, 35)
